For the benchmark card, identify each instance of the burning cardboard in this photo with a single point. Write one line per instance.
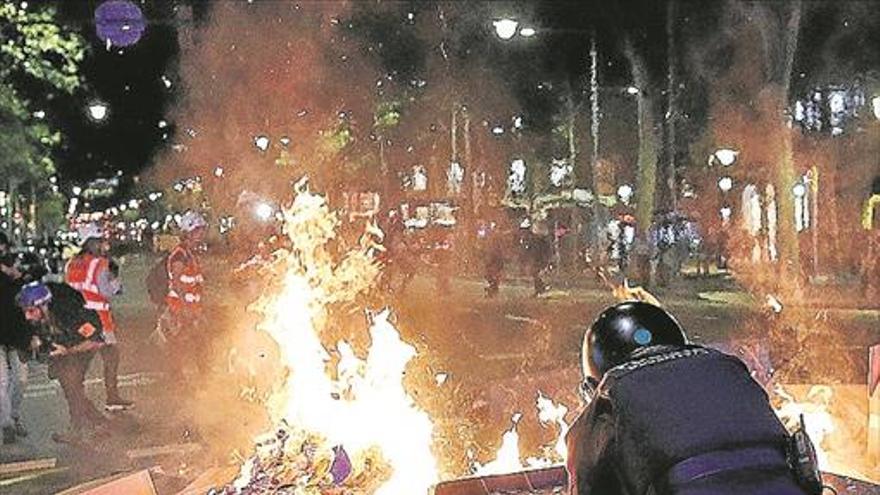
(346, 424)
(293, 461)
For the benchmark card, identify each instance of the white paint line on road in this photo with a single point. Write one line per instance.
(177, 448)
(17, 467)
(50, 388)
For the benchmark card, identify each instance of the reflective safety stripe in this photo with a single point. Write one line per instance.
(82, 274)
(90, 275)
(82, 286)
(97, 306)
(187, 279)
(187, 296)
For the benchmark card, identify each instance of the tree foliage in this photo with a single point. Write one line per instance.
(36, 45)
(34, 50)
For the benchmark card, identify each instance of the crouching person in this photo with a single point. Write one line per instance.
(71, 335)
(667, 417)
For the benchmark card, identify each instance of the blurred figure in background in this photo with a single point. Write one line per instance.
(183, 322)
(540, 250)
(15, 337)
(494, 257)
(96, 277)
(5, 246)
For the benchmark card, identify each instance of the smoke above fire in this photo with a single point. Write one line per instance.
(267, 91)
(795, 343)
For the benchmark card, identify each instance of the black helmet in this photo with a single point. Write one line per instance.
(623, 328)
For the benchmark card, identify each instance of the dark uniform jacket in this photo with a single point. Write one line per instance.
(70, 322)
(667, 405)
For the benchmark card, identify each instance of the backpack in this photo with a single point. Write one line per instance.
(157, 281)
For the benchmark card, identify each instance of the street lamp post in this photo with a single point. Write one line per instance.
(506, 29)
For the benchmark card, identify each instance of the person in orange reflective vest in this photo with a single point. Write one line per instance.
(183, 319)
(95, 276)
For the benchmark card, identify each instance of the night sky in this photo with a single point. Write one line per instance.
(130, 80)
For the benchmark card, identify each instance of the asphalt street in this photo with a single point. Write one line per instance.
(495, 355)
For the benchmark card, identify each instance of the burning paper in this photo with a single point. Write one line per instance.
(508, 458)
(360, 430)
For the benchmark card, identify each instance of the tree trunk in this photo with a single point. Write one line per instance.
(831, 228)
(453, 132)
(671, 109)
(789, 250)
(647, 162)
(572, 142)
(594, 137)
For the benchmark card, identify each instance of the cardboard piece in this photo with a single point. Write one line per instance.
(536, 481)
(139, 483)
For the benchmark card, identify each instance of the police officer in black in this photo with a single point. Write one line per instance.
(668, 417)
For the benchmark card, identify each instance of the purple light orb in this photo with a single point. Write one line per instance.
(119, 23)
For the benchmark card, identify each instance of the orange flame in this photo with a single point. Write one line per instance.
(366, 407)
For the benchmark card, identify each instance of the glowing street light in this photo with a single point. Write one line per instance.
(505, 28)
(725, 157)
(527, 32)
(98, 111)
(261, 142)
(632, 90)
(264, 211)
(725, 184)
(876, 104)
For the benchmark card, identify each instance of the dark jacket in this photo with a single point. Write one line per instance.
(70, 323)
(668, 405)
(14, 330)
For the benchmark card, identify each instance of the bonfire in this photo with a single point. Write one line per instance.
(345, 424)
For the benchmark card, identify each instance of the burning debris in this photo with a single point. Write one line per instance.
(323, 444)
(294, 461)
(508, 458)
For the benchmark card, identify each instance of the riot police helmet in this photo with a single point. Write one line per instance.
(624, 328)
